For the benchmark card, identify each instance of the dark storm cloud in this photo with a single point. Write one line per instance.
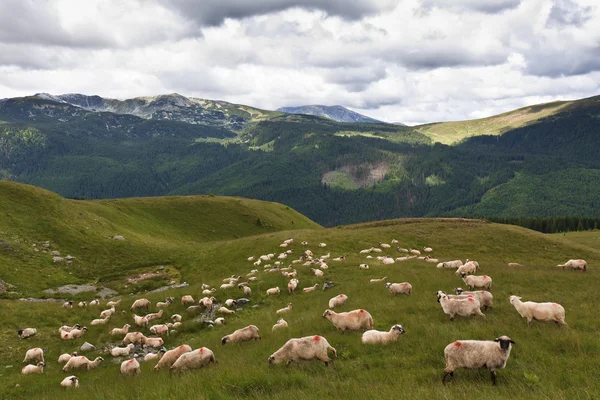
(568, 13)
(428, 58)
(484, 6)
(569, 62)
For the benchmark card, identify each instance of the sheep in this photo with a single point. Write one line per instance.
(311, 288)
(166, 303)
(251, 258)
(242, 335)
(154, 342)
(450, 264)
(338, 300)
(110, 303)
(431, 260)
(292, 285)
(232, 279)
(194, 308)
(467, 307)
(470, 354)
(380, 337)
(171, 356)
(140, 320)
(100, 321)
(252, 279)
(468, 268)
(120, 331)
(74, 334)
(107, 313)
(257, 262)
(486, 299)
(207, 302)
(82, 304)
(130, 367)
(154, 356)
(82, 362)
(208, 291)
(122, 351)
(304, 243)
(225, 310)
(273, 291)
(66, 328)
(512, 264)
(194, 359)
(286, 309)
(134, 337)
(317, 272)
(63, 358)
(401, 250)
(141, 303)
(539, 311)
(176, 318)
(34, 369)
(322, 245)
(227, 285)
(427, 249)
(175, 325)
(388, 260)
(35, 354)
(475, 281)
(160, 330)
(363, 266)
(384, 245)
(220, 321)
(247, 290)
(399, 288)
(305, 348)
(377, 280)
(574, 264)
(230, 302)
(365, 251)
(70, 381)
(326, 256)
(281, 324)
(415, 252)
(340, 258)
(67, 304)
(283, 245)
(153, 316)
(352, 320)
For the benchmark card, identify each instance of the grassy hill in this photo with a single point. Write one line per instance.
(546, 362)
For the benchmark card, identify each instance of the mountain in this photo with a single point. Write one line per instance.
(336, 113)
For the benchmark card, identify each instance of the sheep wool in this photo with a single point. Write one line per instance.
(194, 359)
(305, 348)
(380, 337)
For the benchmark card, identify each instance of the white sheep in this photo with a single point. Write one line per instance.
(63, 358)
(82, 304)
(168, 301)
(281, 324)
(363, 266)
(399, 288)
(539, 311)
(242, 335)
(338, 300)
(380, 337)
(82, 362)
(468, 268)
(486, 299)
(34, 369)
(120, 331)
(225, 310)
(317, 272)
(450, 264)
(251, 258)
(176, 318)
(574, 264)
(208, 291)
(247, 291)
(513, 264)
(67, 304)
(160, 329)
(286, 309)
(388, 260)
(378, 280)
(415, 252)
(110, 303)
(74, 334)
(134, 337)
(154, 356)
(322, 245)
(477, 281)
(401, 250)
(292, 285)
(220, 321)
(140, 320)
(467, 307)
(70, 381)
(311, 288)
(35, 354)
(352, 320)
(384, 245)
(171, 356)
(130, 367)
(427, 249)
(230, 302)
(141, 303)
(207, 302)
(273, 291)
(194, 359)
(470, 354)
(66, 328)
(100, 321)
(305, 349)
(228, 285)
(154, 342)
(122, 351)
(107, 313)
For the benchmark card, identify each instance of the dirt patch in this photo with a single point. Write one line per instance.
(144, 276)
(358, 176)
(76, 289)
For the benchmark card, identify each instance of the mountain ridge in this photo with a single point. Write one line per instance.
(337, 113)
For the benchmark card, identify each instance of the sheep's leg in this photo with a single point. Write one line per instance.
(529, 322)
(451, 374)
(493, 377)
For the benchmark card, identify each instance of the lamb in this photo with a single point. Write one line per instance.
(107, 313)
(66, 357)
(154, 342)
(122, 351)
(322, 245)
(462, 307)
(486, 299)
(292, 285)
(141, 303)
(380, 337)
(225, 310)
(134, 337)
(475, 281)
(431, 260)
(338, 300)
(352, 320)
(209, 291)
(194, 359)
(340, 258)
(166, 303)
(154, 356)
(35, 354)
(100, 321)
(273, 291)
(450, 264)
(70, 381)
(176, 318)
(82, 362)
(305, 348)
(251, 258)
(311, 288)
(399, 288)
(74, 334)
(401, 250)
(153, 316)
(34, 369)
(281, 324)
(574, 264)
(140, 320)
(317, 272)
(220, 321)
(160, 330)
(469, 268)
(539, 311)
(112, 303)
(96, 302)
(488, 354)
(171, 356)
(242, 335)
(120, 331)
(130, 367)
(67, 304)
(286, 309)
(363, 266)
(378, 280)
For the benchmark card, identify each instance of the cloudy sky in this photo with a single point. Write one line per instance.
(412, 61)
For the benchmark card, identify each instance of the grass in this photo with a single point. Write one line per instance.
(587, 238)
(546, 362)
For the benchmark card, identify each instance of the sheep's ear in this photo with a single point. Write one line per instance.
(512, 341)
(497, 340)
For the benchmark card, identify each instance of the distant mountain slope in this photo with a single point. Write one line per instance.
(336, 113)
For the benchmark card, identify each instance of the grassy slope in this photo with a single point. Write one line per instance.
(587, 238)
(546, 362)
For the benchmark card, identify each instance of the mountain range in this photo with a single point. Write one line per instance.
(540, 160)
(336, 113)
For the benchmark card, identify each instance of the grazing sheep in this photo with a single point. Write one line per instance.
(363, 266)
(352, 320)
(292, 285)
(311, 288)
(468, 268)
(160, 330)
(306, 348)
(322, 245)
(450, 264)
(574, 264)
(154, 342)
(171, 356)
(273, 291)
(67, 304)
(512, 264)
(242, 335)
(380, 337)
(110, 303)
(35, 354)
(176, 318)
(539, 311)
(107, 313)
(120, 331)
(281, 324)
(415, 252)
(388, 260)
(130, 367)
(34, 369)
(220, 321)
(467, 307)
(338, 300)
(141, 303)
(154, 356)
(486, 299)
(74, 334)
(477, 281)
(247, 291)
(317, 272)
(168, 301)
(207, 302)
(427, 249)
(70, 381)
(401, 250)
(286, 309)
(140, 320)
(194, 359)
(82, 304)
(209, 291)
(82, 362)
(384, 245)
(66, 357)
(399, 288)
(378, 280)
(225, 310)
(134, 337)
(230, 302)
(100, 321)
(122, 351)
(470, 354)
(66, 328)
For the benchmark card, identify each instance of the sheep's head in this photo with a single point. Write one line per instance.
(74, 379)
(20, 332)
(463, 274)
(327, 313)
(84, 329)
(224, 340)
(439, 295)
(513, 299)
(399, 329)
(505, 342)
(387, 285)
(74, 354)
(99, 359)
(458, 290)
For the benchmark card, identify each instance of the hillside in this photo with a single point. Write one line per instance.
(546, 362)
(336, 113)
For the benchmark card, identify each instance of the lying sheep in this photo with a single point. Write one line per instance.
(209, 291)
(488, 354)
(220, 321)
(110, 303)
(67, 304)
(100, 321)
(194, 359)
(26, 333)
(108, 313)
(486, 299)
(141, 303)
(134, 337)
(82, 362)
(130, 367)
(388, 260)
(66, 328)
(242, 335)
(475, 281)
(160, 330)
(74, 334)
(363, 266)
(153, 316)
(352, 320)
(230, 302)
(512, 264)
(539, 311)
(311, 288)
(286, 309)
(462, 307)
(34, 369)
(380, 337)
(399, 288)
(338, 300)
(305, 349)
(225, 310)
(273, 291)
(63, 358)
(120, 331)
(35, 354)
(450, 264)
(82, 304)
(70, 381)
(171, 356)
(574, 264)
(122, 351)
(317, 272)
(154, 342)
(176, 318)
(154, 356)
(378, 280)
(281, 324)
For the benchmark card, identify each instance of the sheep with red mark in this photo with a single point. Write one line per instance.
(187, 299)
(304, 349)
(242, 335)
(130, 367)
(171, 356)
(33, 369)
(477, 281)
(463, 307)
(292, 285)
(35, 354)
(539, 311)
(194, 359)
(122, 351)
(399, 288)
(120, 331)
(353, 320)
(134, 337)
(154, 342)
(486, 299)
(338, 300)
(574, 265)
